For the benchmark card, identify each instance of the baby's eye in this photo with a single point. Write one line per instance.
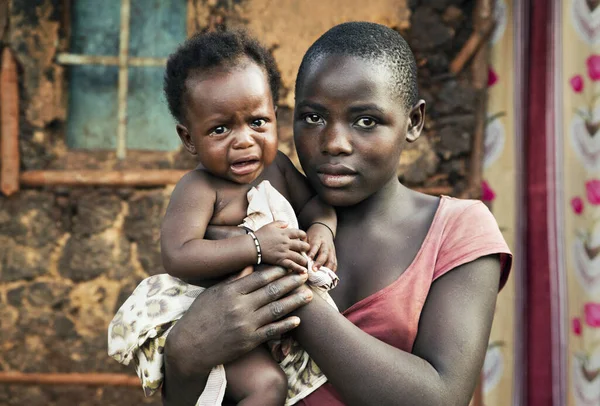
(219, 130)
(366, 123)
(259, 122)
(313, 119)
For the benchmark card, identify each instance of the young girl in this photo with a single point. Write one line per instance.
(419, 274)
(222, 90)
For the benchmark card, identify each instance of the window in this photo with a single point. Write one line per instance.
(117, 56)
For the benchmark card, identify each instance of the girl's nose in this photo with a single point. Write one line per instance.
(335, 140)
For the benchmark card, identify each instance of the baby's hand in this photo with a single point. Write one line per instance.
(283, 246)
(322, 249)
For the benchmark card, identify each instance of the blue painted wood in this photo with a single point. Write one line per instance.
(157, 27)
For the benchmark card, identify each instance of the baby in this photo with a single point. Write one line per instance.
(222, 89)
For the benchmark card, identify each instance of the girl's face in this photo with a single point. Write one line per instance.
(349, 128)
(231, 122)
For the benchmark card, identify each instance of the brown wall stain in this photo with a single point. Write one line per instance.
(290, 30)
(34, 35)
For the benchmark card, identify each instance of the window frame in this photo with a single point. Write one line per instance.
(121, 167)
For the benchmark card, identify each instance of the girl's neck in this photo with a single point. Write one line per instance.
(382, 206)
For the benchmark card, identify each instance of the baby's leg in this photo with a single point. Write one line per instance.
(256, 379)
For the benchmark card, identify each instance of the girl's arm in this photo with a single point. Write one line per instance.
(185, 252)
(447, 355)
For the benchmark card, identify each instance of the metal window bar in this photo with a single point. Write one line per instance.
(123, 61)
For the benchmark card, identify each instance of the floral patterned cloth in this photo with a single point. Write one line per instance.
(139, 329)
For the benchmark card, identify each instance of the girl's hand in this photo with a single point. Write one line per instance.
(226, 321)
(233, 317)
(322, 248)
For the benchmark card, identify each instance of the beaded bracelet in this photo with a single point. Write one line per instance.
(323, 224)
(257, 245)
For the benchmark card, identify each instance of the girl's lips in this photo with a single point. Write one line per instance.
(336, 180)
(245, 167)
(335, 175)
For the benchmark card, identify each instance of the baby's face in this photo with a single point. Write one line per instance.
(231, 124)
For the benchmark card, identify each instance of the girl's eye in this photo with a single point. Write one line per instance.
(259, 122)
(219, 130)
(313, 119)
(366, 123)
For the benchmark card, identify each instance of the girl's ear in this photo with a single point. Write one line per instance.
(415, 122)
(186, 139)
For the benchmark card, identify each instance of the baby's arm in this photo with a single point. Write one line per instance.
(306, 203)
(222, 232)
(318, 218)
(186, 254)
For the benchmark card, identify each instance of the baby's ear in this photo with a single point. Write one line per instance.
(186, 139)
(415, 122)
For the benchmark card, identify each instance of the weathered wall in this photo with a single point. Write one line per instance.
(69, 257)
(68, 260)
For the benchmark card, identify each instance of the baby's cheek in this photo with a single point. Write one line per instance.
(269, 148)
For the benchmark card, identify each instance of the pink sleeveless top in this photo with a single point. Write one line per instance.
(461, 232)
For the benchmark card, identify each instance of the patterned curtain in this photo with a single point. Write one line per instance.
(542, 181)
(573, 161)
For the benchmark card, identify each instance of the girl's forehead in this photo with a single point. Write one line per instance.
(343, 76)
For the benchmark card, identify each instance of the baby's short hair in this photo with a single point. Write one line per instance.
(372, 42)
(205, 51)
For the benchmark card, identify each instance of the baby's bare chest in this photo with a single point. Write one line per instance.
(230, 207)
(232, 200)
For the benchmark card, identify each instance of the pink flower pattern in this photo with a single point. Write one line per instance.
(577, 83)
(593, 66)
(584, 128)
(487, 194)
(577, 328)
(592, 314)
(492, 77)
(577, 205)
(592, 188)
